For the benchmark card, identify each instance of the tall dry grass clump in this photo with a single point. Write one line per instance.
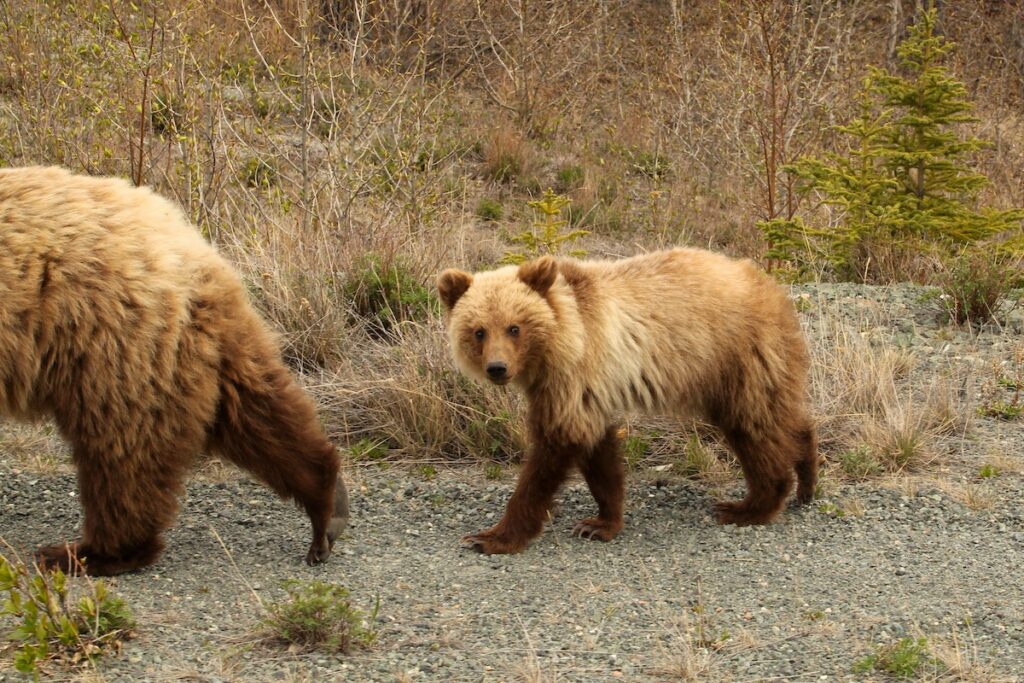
(876, 413)
(409, 396)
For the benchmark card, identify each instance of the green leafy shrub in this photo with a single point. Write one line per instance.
(546, 235)
(988, 471)
(262, 106)
(1002, 410)
(367, 450)
(51, 624)
(860, 463)
(259, 173)
(384, 294)
(569, 177)
(319, 616)
(905, 184)
(975, 285)
(489, 209)
(831, 509)
(1003, 398)
(167, 115)
(653, 165)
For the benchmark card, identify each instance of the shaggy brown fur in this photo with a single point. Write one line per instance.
(121, 322)
(681, 332)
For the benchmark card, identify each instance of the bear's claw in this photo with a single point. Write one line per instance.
(597, 529)
(319, 552)
(63, 556)
(78, 558)
(489, 543)
(742, 513)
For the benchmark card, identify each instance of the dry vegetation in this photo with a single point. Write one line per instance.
(338, 152)
(877, 416)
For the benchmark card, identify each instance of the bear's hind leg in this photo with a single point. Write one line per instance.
(602, 469)
(768, 471)
(806, 464)
(269, 427)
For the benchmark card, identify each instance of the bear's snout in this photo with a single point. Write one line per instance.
(497, 371)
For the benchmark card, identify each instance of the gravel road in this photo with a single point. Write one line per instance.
(674, 597)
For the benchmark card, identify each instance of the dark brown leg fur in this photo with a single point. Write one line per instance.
(807, 465)
(546, 468)
(271, 429)
(70, 557)
(127, 501)
(768, 470)
(604, 473)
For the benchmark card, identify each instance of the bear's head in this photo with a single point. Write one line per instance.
(501, 322)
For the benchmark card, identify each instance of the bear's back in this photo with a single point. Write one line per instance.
(97, 270)
(73, 221)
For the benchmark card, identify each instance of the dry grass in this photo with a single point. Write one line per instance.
(977, 286)
(686, 663)
(852, 506)
(692, 450)
(1003, 462)
(507, 157)
(877, 414)
(410, 395)
(34, 448)
(959, 654)
(530, 670)
(688, 655)
(976, 496)
(691, 653)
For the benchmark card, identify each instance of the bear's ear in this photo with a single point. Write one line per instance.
(539, 274)
(451, 285)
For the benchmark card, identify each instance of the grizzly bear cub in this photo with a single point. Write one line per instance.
(680, 332)
(119, 321)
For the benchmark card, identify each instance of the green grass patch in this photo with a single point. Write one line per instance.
(909, 658)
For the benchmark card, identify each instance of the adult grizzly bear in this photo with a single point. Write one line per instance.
(678, 332)
(121, 322)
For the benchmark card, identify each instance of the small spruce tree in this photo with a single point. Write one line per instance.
(905, 183)
(545, 235)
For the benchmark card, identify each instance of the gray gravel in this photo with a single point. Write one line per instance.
(802, 599)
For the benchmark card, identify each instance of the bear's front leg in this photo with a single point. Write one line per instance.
(62, 556)
(603, 471)
(544, 472)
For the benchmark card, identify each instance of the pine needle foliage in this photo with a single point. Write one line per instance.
(547, 234)
(905, 182)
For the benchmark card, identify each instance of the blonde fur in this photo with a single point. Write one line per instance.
(682, 332)
(120, 321)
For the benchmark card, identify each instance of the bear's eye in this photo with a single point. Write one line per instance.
(479, 334)
(514, 330)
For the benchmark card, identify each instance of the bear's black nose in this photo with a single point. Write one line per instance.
(496, 370)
